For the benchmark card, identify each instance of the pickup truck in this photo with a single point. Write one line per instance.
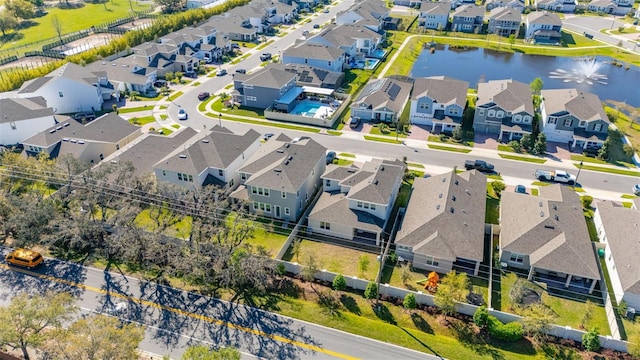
(479, 165)
(559, 176)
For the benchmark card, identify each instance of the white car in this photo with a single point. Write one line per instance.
(182, 114)
(636, 189)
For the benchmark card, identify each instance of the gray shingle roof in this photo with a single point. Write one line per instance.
(216, 149)
(544, 17)
(470, 10)
(346, 35)
(505, 14)
(386, 92)
(68, 70)
(17, 109)
(622, 228)
(380, 184)
(432, 229)
(510, 95)
(315, 51)
(582, 105)
(283, 165)
(435, 7)
(333, 207)
(441, 89)
(270, 78)
(550, 229)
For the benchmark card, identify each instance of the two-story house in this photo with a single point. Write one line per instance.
(504, 21)
(355, 40)
(574, 117)
(313, 77)
(468, 18)
(382, 100)
(89, 143)
(265, 87)
(438, 102)
(504, 107)
(234, 27)
(253, 16)
(316, 55)
(368, 13)
(547, 236)
(434, 14)
(22, 118)
(443, 226)
(210, 159)
(620, 7)
(566, 6)
(282, 177)
(514, 4)
(279, 12)
(356, 202)
(543, 27)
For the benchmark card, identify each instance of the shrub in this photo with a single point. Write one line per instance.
(586, 201)
(498, 187)
(512, 331)
(591, 340)
(515, 145)
(392, 258)
(409, 301)
(339, 283)
(371, 291)
(481, 316)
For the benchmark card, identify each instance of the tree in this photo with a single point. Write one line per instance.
(22, 321)
(405, 272)
(201, 352)
(57, 26)
(409, 301)
(371, 291)
(515, 145)
(363, 265)
(498, 187)
(296, 248)
(96, 337)
(309, 271)
(591, 340)
(339, 283)
(7, 22)
(536, 86)
(587, 314)
(452, 288)
(169, 6)
(512, 40)
(481, 317)
(169, 76)
(179, 75)
(537, 322)
(526, 142)
(21, 9)
(540, 147)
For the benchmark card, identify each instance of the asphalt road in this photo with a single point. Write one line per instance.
(593, 25)
(176, 319)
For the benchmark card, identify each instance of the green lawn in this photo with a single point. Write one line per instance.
(505, 148)
(134, 109)
(175, 126)
(535, 192)
(165, 131)
(449, 140)
(415, 165)
(72, 20)
(608, 170)
(343, 154)
(175, 95)
(523, 158)
(267, 123)
(598, 161)
(342, 162)
(240, 111)
(383, 139)
(628, 196)
(448, 148)
(142, 120)
(177, 226)
(492, 207)
(334, 132)
(375, 130)
(540, 183)
(264, 45)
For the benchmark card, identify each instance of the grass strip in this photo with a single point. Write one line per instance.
(265, 123)
(608, 170)
(384, 140)
(448, 148)
(134, 109)
(175, 95)
(523, 158)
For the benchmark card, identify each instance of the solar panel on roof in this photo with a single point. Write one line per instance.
(393, 91)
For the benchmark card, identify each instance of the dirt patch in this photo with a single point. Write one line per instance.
(27, 63)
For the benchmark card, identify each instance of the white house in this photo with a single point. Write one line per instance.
(21, 118)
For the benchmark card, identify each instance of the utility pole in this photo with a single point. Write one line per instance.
(578, 175)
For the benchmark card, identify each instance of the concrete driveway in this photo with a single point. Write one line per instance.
(485, 141)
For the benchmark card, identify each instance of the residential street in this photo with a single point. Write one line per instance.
(176, 319)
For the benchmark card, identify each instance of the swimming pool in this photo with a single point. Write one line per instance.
(379, 53)
(368, 63)
(312, 109)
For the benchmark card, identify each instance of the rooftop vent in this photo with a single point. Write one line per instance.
(555, 207)
(206, 141)
(52, 131)
(557, 218)
(277, 170)
(540, 204)
(444, 179)
(286, 162)
(183, 156)
(287, 145)
(440, 196)
(541, 213)
(114, 161)
(290, 158)
(456, 182)
(438, 207)
(80, 142)
(280, 151)
(65, 124)
(453, 197)
(381, 168)
(73, 140)
(375, 182)
(59, 128)
(549, 227)
(467, 191)
(451, 210)
(65, 139)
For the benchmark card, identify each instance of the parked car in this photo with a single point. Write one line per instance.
(87, 116)
(331, 155)
(560, 176)
(222, 72)
(326, 11)
(203, 96)
(241, 71)
(520, 189)
(354, 122)
(182, 114)
(25, 258)
(160, 83)
(305, 33)
(267, 136)
(265, 56)
(316, 26)
(636, 189)
(479, 165)
(235, 46)
(190, 74)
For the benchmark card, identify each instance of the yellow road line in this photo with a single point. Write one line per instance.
(186, 313)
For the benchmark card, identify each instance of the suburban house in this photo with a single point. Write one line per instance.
(22, 118)
(443, 226)
(312, 76)
(504, 21)
(368, 13)
(266, 88)
(621, 8)
(457, 3)
(201, 43)
(543, 27)
(88, 143)
(210, 159)
(355, 40)
(320, 56)
(468, 18)
(281, 177)
(150, 148)
(504, 107)
(574, 117)
(408, 3)
(565, 6)
(382, 99)
(356, 202)
(514, 4)
(233, 27)
(547, 236)
(438, 102)
(69, 89)
(279, 12)
(619, 230)
(251, 15)
(434, 14)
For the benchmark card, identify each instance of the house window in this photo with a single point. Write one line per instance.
(325, 225)
(254, 190)
(256, 206)
(329, 63)
(481, 112)
(359, 204)
(527, 119)
(567, 122)
(517, 258)
(366, 205)
(424, 106)
(180, 176)
(430, 260)
(500, 114)
(597, 127)
(266, 192)
(287, 211)
(582, 123)
(243, 176)
(327, 182)
(284, 195)
(251, 98)
(491, 113)
(373, 206)
(517, 118)
(60, 94)
(220, 172)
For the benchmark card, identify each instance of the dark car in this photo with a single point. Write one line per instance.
(235, 46)
(265, 56)
(316, 26)
(86, 116)
(331, 155)
(203, 96)
(520, 189)
(267, 136)
(222, 72)
(241, 71)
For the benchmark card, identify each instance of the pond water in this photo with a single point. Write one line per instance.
(476, 64)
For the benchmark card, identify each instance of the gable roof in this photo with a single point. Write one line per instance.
(17, 109)
(550, 229)
(441, 89)
(269, 77)
(380, 177)
(315, 51)
(469, 10)
(543, 18)
(282, 164)
(431, 228)
(622, 228)
(386, 92)
(69, 70)
(435, 7)
(216, 149)
(505, 14)
(346, 35)
(583, 105)
(510, 95)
